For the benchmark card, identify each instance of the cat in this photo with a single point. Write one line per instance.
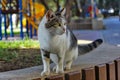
(58, 43)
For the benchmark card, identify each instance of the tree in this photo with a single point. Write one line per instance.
(70, 5)
(57, 2)
(78, 7)
(44, 3)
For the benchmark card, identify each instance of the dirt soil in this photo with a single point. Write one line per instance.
(25, 58)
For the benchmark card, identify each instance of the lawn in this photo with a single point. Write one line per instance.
(19, 54)
(26, 43)
(15, 30)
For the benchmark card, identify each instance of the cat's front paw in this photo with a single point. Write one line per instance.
(45, 73)
(59, 71)
(67, 68)
(54, 69)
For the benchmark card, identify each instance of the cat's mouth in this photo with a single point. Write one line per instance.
(55, 31)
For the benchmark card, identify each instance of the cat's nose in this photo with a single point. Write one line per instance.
(64, 29)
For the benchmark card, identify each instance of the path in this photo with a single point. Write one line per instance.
(112, 33)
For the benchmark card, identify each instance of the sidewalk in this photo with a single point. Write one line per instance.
(106, 52)
(111, 35)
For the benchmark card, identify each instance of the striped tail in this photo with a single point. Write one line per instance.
(83, 49)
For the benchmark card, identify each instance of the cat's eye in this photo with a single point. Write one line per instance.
(59, 24)
(48, 19)
(64, 23)
(51, 16)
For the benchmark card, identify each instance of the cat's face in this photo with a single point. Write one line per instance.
(56, 23)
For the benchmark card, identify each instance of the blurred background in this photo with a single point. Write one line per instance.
(84, 8)
(23, 16)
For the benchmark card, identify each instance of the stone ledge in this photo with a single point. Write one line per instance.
(86, 24)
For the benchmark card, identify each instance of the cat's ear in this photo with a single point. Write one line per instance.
(63, 11)
(49, 14)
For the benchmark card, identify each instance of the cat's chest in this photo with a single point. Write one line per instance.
(43, 38)
(53, 44)
(58, 43)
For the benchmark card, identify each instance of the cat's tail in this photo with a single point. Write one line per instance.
(83, 49)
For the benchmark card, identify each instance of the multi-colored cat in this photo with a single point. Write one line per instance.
(58, 43)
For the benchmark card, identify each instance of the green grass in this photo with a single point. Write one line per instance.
(15, 31)
(6, 55)
(5, 48)
(27, 43)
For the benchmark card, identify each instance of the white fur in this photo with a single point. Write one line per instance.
(59, 43)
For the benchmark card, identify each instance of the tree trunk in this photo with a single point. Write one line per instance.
(78, 7)
(57, 4)
(68, 5)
